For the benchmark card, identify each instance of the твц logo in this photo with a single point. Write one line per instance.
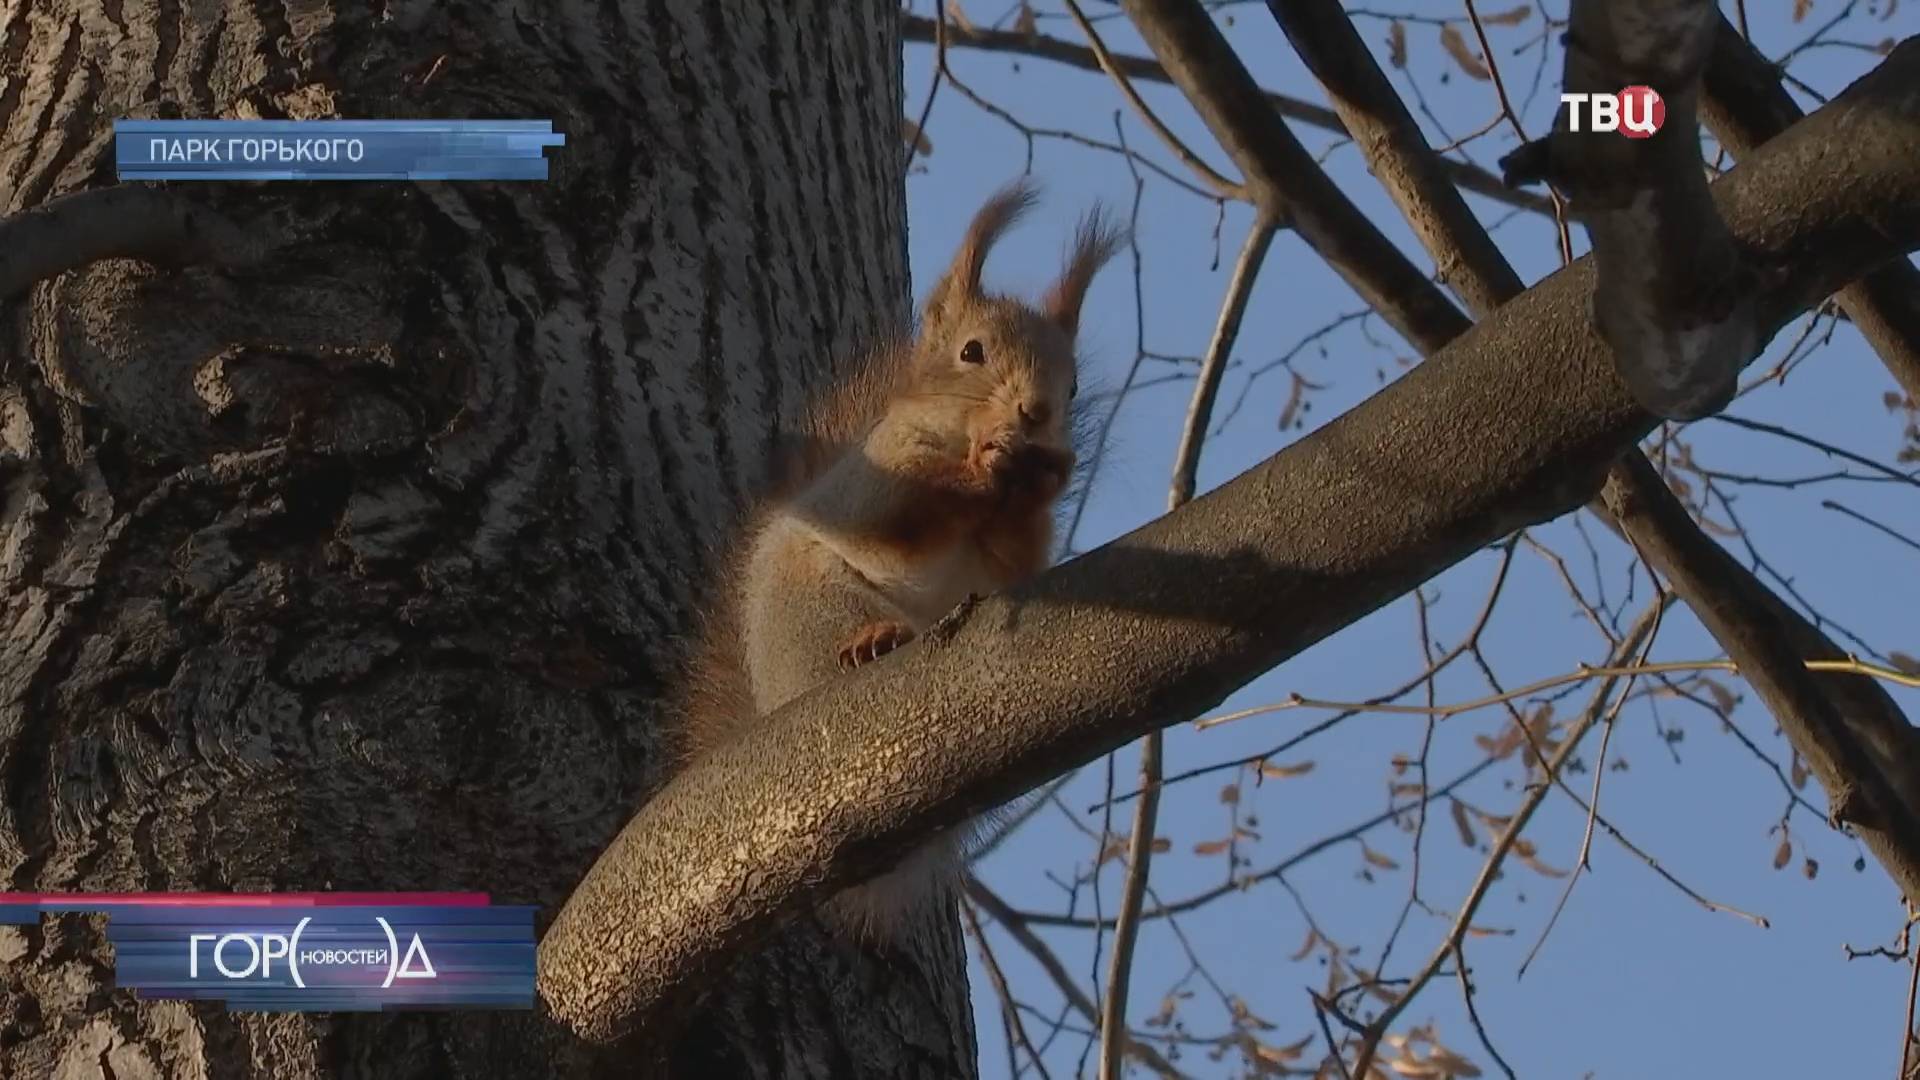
(1636, 111)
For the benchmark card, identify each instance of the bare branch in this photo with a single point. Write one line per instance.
(1002, 913)
(1859, 745)
(1146, 812)
(1286, 182)
(922, 29)
(1516, 824)
(1398, 156)
(1744, 105)
(1225, 188)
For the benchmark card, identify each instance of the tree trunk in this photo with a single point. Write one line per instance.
(369, 569)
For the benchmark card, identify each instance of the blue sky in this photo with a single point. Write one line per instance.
(1635, 980)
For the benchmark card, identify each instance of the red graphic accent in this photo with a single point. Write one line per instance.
(1642, 111)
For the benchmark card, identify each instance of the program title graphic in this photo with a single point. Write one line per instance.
(309, 952)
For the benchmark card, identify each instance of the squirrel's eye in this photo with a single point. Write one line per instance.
(973, 353)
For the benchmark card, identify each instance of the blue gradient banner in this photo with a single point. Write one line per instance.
(333, 149)
(311, 952)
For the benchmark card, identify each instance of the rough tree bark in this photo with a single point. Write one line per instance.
(366, 569)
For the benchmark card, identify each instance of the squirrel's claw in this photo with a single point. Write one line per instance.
(874, 641)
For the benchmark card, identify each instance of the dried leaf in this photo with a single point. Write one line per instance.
(1211, 847)
(1906, 664)
(1461, 822)
(1410, 790)
(1378, 859)
(1161, 845)
(1541, 868)
(1245, 833)
(1284, 1054)
(1291, 408)
(1454, 1064)
(1456, 45)
(1723, 699)
(1799, 774)
(1230, 794)
(1414, 1069)
(1024, 23)
(1244, 1015)
(1313, 938)
(1801, 8)
(1810, 868)
(1508, 18)
(1282, 772)
(959, 17)
(1783, 854)
(1397, 45)
(911, 134)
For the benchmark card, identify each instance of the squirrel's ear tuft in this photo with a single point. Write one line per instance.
(961, 282)
(1095, 242)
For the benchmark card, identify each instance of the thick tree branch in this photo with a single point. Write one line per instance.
(1397, 154)
(922, 29)
(1674, 294)
(1744, 105)
(1481, 439)
(148, 223)
(1286, 182)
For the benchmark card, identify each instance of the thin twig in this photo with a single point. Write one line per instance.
(1010, 920)
(1000, 987)
(1582, 864)
(1473, 1014)
(1225, 188)
(1536, 793)
(1513, 118)
(1580, 674)
(1466, 175)
(939, 73)
(1126, 928)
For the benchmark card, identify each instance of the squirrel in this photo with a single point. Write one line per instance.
(931, 475)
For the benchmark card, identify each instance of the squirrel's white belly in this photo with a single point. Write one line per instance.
(930, 588)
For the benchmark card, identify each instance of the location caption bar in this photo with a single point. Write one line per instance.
(333, 149)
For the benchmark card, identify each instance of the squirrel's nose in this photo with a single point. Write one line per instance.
(1035, 412)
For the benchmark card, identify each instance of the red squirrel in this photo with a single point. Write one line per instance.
(932, 474)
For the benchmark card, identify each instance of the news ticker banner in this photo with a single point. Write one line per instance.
(309, 952)
(333, 149)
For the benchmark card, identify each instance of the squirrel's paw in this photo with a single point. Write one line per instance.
(874, 641)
